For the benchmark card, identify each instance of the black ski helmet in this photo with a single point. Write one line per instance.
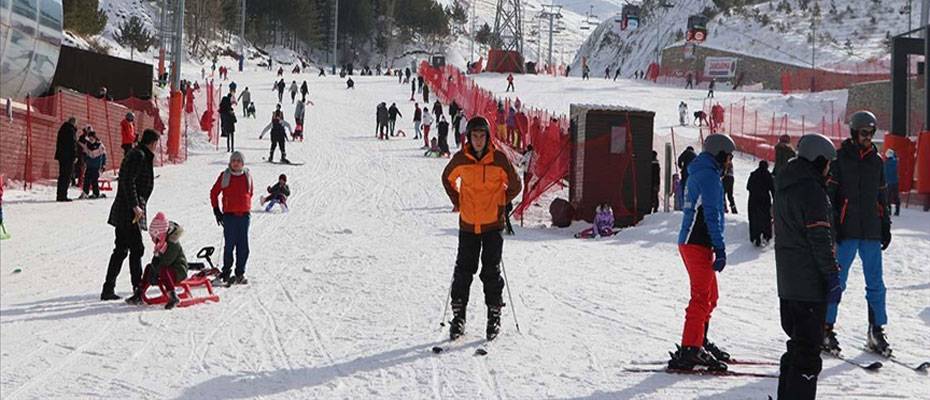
(861, 120)
(814, 145)
(478, 123)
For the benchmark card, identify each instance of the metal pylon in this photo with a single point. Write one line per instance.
(508, 25)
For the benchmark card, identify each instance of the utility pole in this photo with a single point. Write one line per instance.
(178, 46)
(813, 50)
(552, 12)
(664, 6)
(335, 32)
(242, 36)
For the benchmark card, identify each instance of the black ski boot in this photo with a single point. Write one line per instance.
(830, 344)
(457, 325)
(240, 280)
(715, 351)
(686, 358)
(222, 279)
(172, 300)
(877, 342)
(494, 321)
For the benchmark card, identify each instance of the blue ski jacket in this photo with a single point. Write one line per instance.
(702, 223)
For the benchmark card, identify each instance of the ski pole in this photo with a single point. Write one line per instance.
(509, 296)
(445, 309)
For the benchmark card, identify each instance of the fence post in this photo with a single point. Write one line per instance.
(742, 119)
(755, 123)
(106, 114)
(27, 163)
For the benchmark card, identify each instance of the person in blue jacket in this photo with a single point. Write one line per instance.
(703, 251)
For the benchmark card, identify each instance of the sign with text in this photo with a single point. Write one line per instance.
(720, 67)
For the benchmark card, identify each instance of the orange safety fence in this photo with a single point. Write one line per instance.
(28, 134)
(546, 132)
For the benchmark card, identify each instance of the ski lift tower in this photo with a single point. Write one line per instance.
(507, 54)
(553, 13)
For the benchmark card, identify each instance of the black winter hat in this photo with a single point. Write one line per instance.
(282, 177)
(478, 123)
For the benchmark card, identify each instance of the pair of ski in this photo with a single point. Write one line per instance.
(482, 349)
(875, 366)
(706, 372)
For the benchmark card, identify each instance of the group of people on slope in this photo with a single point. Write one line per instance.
(829, 205)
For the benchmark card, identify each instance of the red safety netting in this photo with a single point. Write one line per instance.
(791, 79)
(28, 135)
(548, 133)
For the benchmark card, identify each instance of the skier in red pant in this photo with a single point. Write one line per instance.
(702, 249)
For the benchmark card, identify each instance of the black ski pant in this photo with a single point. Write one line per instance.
(801, 364)
(510, 87)
(230, 142)
(128, 242)
(391, 125)
(91, 181)
(487, 246)
(760, 219)
(65, 170)
(728, 182)
(277, 140)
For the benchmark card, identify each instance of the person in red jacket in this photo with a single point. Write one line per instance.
(235, 184)
(127, 130)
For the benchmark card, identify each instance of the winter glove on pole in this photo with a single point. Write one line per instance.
(834, 290)
(886, 235)
(219, 216)
(720, 259)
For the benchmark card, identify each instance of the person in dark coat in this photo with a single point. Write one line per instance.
(761, 187)
(393, 113)
(656, 179)
(381, 118)
(805, 265)
(442, 130)
(127, 214)
(729, 181)
(684, 159)
(437, 110)
(783, 153)
(304, 90)
(65, 153)
(228, 121)
(857, 191)
(425, 94)
(891, 177)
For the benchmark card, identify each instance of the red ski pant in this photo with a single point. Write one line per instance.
(699, 261)
(165, 276)
(426, 136)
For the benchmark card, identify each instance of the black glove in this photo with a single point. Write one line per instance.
(886, 235)
(219, 216)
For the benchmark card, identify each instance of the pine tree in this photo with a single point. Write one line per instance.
(133, 34)
(83, 17)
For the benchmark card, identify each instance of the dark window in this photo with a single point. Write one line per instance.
(26, 8)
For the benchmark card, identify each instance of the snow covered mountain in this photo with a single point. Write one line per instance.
(849, 33)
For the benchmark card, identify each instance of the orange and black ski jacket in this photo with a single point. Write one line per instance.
(480, 189)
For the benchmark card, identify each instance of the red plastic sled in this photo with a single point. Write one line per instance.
(106, 184)
(200, 279)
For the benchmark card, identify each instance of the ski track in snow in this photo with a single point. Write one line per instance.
(347, 288)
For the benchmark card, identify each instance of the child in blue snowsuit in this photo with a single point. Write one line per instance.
(277, 194)
(95, 160)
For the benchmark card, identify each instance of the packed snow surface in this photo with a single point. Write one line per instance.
(347, 289)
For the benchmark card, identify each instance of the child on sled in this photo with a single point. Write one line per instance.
(277, 194)
(169, 265)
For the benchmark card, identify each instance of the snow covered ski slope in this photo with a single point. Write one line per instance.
(347, 289)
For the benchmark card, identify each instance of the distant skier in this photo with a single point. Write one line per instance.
(417, 118)
(488, 182)
(246, 99)
(805, 264)
(783, 153)
(729, 181)
(607, 72)
(304, 90)
(863, 225)
(419, 83)
(322, 72)
(689, 81)
(393, 113)
(702, 247)
(279, 130)
(425, 93)
(294, 90)
(235, 185)
(277, 194)
(381, 121)
(413, 89)
(437, 110)
(585, 72)
(710, 88)
(425, 125)
(406, 74)
(891, 178)
(442, 133)
(616, 74)
(761, 188)
(682, 113)
(280, 86)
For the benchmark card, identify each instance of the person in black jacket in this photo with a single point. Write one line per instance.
(381, 119)
(393, 113)
(857, 190)
(228, 121)
(127, 214)
(65, 153)
(684, 159)
(761, 187)
(806, 269)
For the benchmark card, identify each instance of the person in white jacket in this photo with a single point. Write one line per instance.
(425, 124)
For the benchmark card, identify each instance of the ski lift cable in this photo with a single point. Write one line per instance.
(763, 43)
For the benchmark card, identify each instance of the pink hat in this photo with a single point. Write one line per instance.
(158, 229)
